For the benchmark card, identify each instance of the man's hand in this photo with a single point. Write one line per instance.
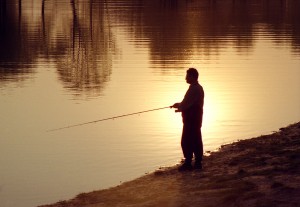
(176, 105)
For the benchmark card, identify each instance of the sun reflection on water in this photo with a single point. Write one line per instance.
(66, 62)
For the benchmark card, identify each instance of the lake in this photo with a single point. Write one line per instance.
(68, 62)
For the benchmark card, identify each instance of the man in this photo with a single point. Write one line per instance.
(191, 108)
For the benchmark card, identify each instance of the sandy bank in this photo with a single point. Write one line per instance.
(262, 171)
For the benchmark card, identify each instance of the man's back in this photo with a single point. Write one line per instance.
(192, 104)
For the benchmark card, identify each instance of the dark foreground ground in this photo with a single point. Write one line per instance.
(260, 172)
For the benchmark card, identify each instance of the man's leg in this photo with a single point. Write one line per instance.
(198, 149)
(186, 146)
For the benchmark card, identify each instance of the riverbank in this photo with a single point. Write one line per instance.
(262, 171)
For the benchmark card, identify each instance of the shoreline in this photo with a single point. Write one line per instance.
(260, 171)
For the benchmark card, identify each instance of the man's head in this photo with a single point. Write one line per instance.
(191, 75)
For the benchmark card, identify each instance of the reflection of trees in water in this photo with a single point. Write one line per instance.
(15, 54)
(74, 35)
(179, 30)
(87, 62)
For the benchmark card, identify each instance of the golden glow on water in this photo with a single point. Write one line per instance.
(69, 62)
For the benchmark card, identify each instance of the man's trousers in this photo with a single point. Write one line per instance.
(191, 142)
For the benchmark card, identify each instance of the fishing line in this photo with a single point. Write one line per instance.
(109, 118)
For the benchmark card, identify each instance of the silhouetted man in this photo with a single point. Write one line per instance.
(191, 108)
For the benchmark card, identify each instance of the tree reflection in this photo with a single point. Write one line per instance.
(87, 63)
(179, 30)
(15, 53)
(77, 35)
(74, 35)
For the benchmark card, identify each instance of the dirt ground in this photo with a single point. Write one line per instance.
(261, 172)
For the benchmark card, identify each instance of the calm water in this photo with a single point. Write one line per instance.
(64, 62)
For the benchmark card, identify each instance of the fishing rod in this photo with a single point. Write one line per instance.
(109, 118)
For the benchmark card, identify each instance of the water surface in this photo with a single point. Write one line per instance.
(67, 62)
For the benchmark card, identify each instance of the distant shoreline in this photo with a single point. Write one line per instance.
(261, 171)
